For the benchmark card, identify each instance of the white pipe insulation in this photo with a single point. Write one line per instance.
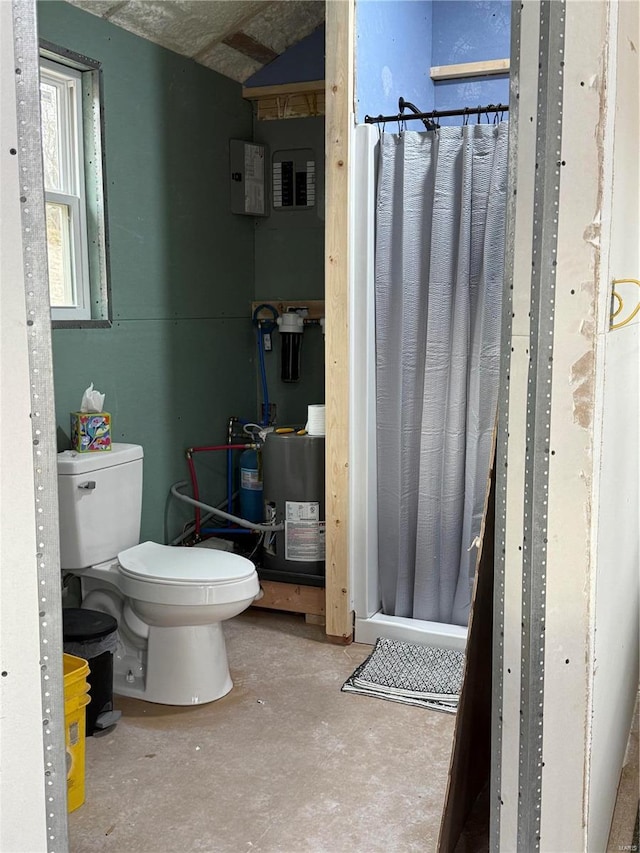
(262, 528)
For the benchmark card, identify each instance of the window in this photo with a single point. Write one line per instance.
(73, 182)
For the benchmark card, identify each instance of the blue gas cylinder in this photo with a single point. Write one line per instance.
(251, 505)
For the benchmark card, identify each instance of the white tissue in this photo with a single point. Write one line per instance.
(92, 401)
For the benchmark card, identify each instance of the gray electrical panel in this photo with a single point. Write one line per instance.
(294, 179)
(247, 162)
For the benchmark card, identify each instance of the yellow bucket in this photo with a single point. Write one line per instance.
(76, 698)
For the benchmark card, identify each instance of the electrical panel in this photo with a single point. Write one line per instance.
(293, 179)
(247, 161)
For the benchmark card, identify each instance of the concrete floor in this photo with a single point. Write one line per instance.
(285, 762)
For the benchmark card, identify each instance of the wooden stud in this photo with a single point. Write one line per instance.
(338, 124)
(488, 68)
(293, 598)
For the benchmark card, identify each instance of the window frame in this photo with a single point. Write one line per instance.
(72, 194)
(90, 235)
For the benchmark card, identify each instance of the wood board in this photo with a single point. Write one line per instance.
(338, 125)
(293, 598)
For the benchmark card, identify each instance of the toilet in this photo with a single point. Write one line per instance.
(169, 602)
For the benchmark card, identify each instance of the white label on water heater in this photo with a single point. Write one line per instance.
(303, 532)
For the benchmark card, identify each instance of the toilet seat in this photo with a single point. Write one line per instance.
(163, 574)
(167, 564)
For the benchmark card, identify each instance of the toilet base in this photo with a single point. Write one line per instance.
(188, 666)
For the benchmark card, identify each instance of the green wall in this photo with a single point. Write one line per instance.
(289, 255)
(180, 356)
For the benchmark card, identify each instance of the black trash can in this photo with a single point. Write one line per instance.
(92, 635)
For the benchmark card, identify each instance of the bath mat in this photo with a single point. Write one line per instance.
(412, 674)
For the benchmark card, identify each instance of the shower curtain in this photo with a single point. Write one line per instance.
(439, 262)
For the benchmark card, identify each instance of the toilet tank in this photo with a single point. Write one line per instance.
(100, 503)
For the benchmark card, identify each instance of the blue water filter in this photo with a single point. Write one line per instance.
(251, 505)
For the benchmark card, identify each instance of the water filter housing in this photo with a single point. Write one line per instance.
(294, 482)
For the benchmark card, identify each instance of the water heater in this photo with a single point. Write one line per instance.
(293, 469)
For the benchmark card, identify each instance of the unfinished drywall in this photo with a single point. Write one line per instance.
(23, 803)
(508, 657)
(616, 450)
(471, 31)
(577, 441)
(576, 411)
(180, 357)
(397, 43)
(392, 55)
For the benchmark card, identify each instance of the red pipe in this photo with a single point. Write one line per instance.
(192, 471)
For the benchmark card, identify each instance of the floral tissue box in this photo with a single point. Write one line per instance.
(90, 431)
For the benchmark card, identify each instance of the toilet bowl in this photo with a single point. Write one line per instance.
(169, 602)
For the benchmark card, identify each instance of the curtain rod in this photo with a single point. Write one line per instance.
(428, 118)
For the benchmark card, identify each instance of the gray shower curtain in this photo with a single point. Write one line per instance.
(440, 224)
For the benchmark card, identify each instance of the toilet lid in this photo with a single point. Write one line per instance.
(164, 563)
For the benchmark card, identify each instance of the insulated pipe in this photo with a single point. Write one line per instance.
(204, 520)
(213, 531)
(270, 528)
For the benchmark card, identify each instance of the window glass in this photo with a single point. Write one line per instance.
(50, 135)
(60, 252)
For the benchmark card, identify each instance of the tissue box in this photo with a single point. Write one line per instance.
(90, 431)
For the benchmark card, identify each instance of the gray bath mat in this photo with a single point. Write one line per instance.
(415, 675)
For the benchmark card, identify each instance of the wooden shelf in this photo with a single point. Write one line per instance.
(487, 68)
(314, 307)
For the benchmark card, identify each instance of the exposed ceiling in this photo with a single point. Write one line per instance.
(234, 37)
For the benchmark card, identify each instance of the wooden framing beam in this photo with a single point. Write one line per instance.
(314, 308)
(289, 100)
(293, 598)
(338, 124)
(254, 93)
(487, 68)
